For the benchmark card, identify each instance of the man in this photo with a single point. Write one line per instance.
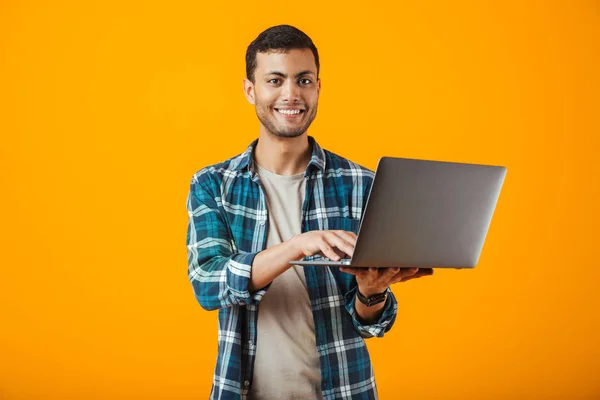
(286, 332)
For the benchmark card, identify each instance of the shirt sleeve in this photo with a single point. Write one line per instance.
(218, 272)
(385, 322)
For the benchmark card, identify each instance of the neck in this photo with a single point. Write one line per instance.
(283, 156)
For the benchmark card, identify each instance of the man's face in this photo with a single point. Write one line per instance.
(285, 91)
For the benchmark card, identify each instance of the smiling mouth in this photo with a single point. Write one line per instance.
(289, 111)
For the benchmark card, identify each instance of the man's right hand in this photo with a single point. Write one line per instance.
(330, 244)
(272, 262)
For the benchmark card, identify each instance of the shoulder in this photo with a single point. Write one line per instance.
(212, 176)
(340, 166)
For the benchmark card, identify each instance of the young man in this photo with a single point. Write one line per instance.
(286, 332)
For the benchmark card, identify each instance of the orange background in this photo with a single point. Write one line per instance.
(108, 108)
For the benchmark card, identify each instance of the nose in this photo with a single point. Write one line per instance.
(290, 92)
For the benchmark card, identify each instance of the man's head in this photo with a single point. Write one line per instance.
(282, 68)
(280, 38)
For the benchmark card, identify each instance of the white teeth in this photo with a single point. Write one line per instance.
(289, 112)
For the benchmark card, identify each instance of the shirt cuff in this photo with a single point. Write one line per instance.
(239, 272)
(385, 322)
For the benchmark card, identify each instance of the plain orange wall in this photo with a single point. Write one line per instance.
(107, 108)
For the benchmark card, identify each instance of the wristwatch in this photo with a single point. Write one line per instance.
(373, 299)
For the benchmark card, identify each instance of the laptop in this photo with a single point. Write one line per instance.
(424, 214)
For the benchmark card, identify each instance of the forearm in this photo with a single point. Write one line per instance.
(272, 262)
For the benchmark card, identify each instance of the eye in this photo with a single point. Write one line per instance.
(305, 81)
(274, 81)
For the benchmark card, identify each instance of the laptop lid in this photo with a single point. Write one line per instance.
(427, 214)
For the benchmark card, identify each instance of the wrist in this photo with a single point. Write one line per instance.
(294, 249)
(372, 298)
(367, 292)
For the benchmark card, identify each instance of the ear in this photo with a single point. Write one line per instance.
(249, 91)
(318, 86)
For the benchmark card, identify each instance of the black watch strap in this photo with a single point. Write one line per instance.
(373, 299)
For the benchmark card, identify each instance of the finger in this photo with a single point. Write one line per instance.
(348, 270)
(408, 278)
(334, 240)
(404, 272)
(354, 271)
(327, 250)
(422, 272)
(386, 275)
(340, 253)
(372, 272)
(351, 234)
(349, 237)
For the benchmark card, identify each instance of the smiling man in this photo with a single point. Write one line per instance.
(287, 332)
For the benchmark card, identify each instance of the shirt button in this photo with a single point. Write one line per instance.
(246, 383)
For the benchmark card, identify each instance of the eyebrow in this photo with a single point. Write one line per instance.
(299, 74)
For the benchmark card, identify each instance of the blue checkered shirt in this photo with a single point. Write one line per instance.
(228, 226)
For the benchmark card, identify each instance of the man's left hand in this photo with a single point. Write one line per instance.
(376, 280)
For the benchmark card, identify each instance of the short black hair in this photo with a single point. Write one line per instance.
(280, 38)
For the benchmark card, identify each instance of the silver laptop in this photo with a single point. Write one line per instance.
(425, 214)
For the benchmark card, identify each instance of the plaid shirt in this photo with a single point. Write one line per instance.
(228, 227)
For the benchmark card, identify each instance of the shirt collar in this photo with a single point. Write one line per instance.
(317, 160)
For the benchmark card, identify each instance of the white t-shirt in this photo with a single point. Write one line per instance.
(287, 362)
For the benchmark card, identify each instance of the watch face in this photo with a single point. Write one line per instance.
(372, 300)
(376, 300)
